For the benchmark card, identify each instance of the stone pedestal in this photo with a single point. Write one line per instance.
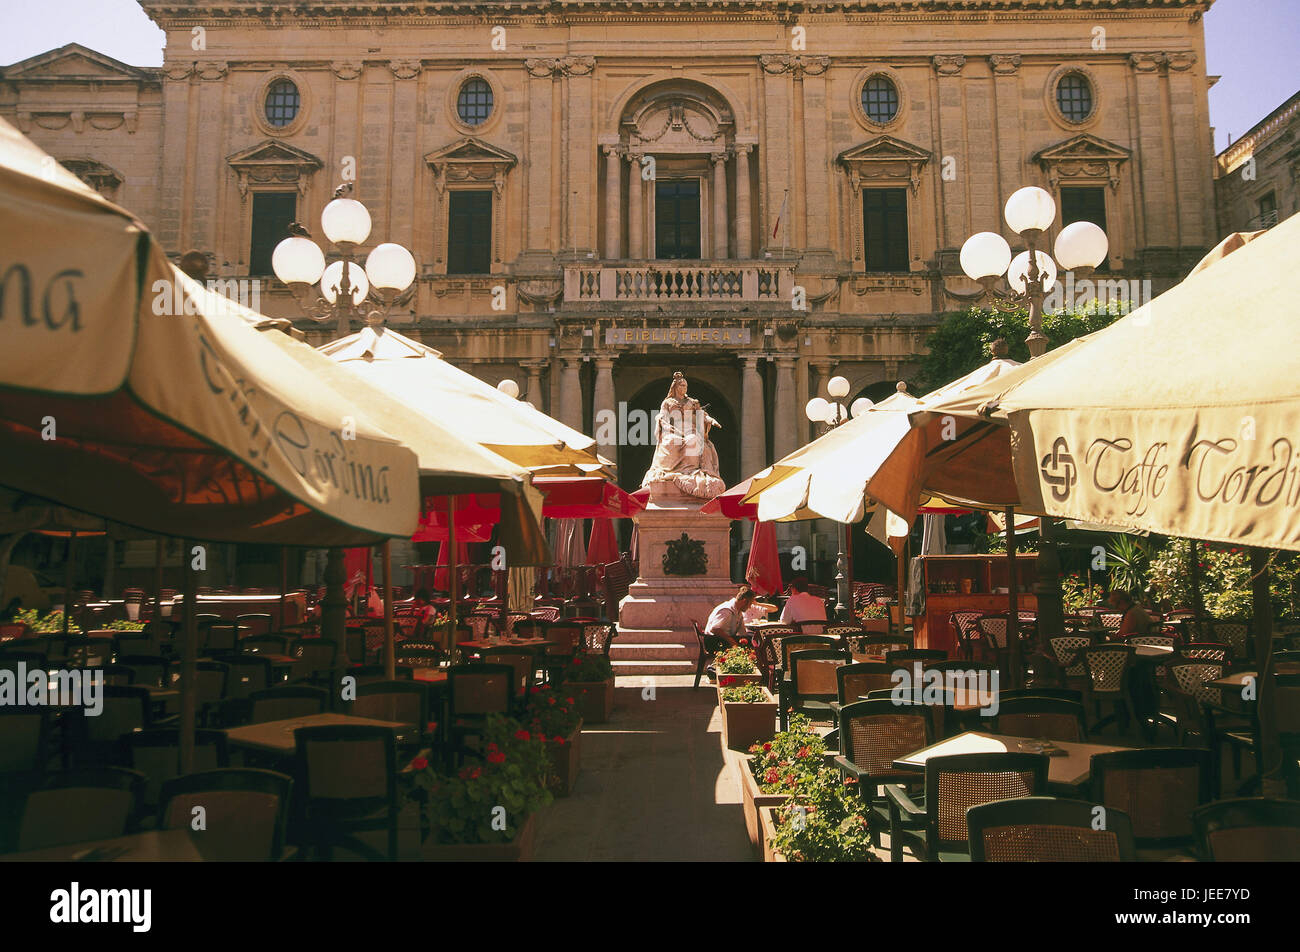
(658, 601)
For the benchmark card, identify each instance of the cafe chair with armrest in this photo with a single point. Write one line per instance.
(349, 778)
(596, 638)
(473, 692)
(286, 702)
(403, 702)
(1158, 787)
(1047, 830)
(1250, 829)
(965, 623)
(812, 686)
(767, 652)
(935, 828)
(873, 734)
(859, 678)
(1110, 670)
(1235, 633)
(245, 810)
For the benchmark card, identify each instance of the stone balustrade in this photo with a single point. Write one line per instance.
(669, 282)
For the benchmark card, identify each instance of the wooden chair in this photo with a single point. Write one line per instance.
(813, 685)
(1041, 717)
(246, 812)
(75, 806)
(873, 734)
(709, 646)
(285, 702)
(1047, 830)
(1158, 788)
(156, 754)
(1254, 829)
(349, 778)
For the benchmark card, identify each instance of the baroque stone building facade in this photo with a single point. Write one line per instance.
(1257, 180)
(762, 194)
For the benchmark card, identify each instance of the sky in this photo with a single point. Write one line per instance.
(1254, 45)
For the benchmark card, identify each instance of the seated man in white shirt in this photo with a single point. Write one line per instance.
(802, 605)
(727, 621)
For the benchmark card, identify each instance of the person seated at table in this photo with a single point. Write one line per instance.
(424, 607)
(727, 621)
(802, 605)
(1136, 620)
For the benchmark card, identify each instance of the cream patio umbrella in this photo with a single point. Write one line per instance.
(1179, 419)
(418, 377)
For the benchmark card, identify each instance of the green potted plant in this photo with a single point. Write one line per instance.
(556, 720)
(874, 618)
(590, 680)
(823, 821)
(50, 624)
(748, 714)
(485, 811)
(737, 665)
(775, 767)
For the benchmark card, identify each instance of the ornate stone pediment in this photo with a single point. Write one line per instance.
(102, 178)
(273, 163)
(1083, 157)
(75, 62)
(471, 160)
(884, 158)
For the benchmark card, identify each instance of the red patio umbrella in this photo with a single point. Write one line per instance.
(729, 503)
(763, 573)
(440, 574)
(602, 546)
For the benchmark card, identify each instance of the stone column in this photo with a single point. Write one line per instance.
(719, 204)
(753, 436)
(571, 393)
(635, 229)
(613, 195)
(534, 392)
(785, 424)
(799, 208)
(744, 248)
(603, 400)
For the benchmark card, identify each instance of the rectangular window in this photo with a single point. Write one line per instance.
(677, 219)
(469, 233)
(273, 212)
(884, 228)
(1080, 203)
(1268, 210)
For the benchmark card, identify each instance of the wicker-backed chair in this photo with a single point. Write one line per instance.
(73, 806)
(1235, 633)
(1042, 717)
(1191, 691)
(246, 811)
(402, 701)
(523, 662)
(859, 678)
(283, 703)
(597, 638)
(1158, 787)
(349, 778)
(768, 652)
(812, 686)
(1254, 829)
(844, 631)
(566, 639)
(1067, 652)
(156, 754)
(874, 647)
(936, 827)
(813, 626)
(315, 657)
(1047, 830)
(1109, 669)
(873, 734)
(804, 642)
(473, 692)
(965, 624)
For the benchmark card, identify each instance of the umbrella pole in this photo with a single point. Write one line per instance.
(1194, 568)
(157, 577)
(390, 663)
(452, 572)
(1262, 624)
(67, 580)
(1013, 601)
(189, 658)
(284, 581)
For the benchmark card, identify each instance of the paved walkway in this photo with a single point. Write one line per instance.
(654, 784)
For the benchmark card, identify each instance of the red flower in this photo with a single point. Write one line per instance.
(568, 700)
(559, 740)
(470, 773)
(492, 747)
(789, 780)
(726, 681)
(772, 775)
(753, 748)
(767, 746)
(431, 727)
(564, 710)
(550, 700)
(420, 763)
(496, 757)
(523, 735)
(802, 752)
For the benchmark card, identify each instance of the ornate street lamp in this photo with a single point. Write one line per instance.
(985, 257)
(833, 413)
(346, 288)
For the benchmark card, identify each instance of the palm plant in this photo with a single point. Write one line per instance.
(1127, 559)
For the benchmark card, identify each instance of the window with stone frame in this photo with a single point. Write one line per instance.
(884, 229)
(1085, 203)
(469, 231)
(273, 212)
(677, 219)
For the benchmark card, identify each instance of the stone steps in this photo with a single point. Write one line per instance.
(650, 651)
(648, 667)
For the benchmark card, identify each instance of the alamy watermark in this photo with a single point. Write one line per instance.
(37, 687)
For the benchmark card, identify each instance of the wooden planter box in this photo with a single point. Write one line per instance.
(744, 723)
(877, 626)
(564, 762)
(518, 850)
(755, 799)
(595, 699)
(767, 816)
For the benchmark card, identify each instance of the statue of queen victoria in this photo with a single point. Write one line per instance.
(684, 456)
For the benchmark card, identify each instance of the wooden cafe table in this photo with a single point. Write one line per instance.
(1066, 773)
(277, 737)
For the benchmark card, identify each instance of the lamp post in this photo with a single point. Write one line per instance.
(345, 288)
(985, 257)
(833, 413)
